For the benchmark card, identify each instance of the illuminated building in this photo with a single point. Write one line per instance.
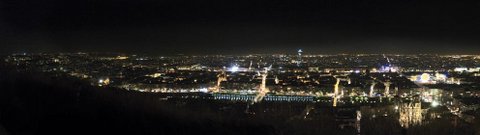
(427, 78)
(440, 77)
(156, 75)
(195, 67)
(424, 78)
(410, 114)
(103, 82)
(465, 69)
(121, 57)
(388, 69)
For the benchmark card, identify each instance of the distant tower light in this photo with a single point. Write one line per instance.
(299, 61)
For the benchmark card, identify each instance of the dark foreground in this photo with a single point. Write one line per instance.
(35, 104)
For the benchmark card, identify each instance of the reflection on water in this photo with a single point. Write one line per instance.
(357, 123)
(395, 115)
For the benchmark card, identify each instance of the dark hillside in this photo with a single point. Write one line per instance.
(32, 103)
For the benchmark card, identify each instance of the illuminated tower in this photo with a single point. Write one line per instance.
(387, 88)
(372, 87)
(299, 61)
(335, 92)
(220, 78)
(336, 86)
(250, 67)
(276, 80)
(262, 89)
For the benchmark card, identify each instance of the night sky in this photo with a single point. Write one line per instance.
(167, 27)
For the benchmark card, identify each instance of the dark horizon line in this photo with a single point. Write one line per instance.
(230, 54)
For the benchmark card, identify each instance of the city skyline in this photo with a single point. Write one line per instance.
(154, 67)
(350, 92)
